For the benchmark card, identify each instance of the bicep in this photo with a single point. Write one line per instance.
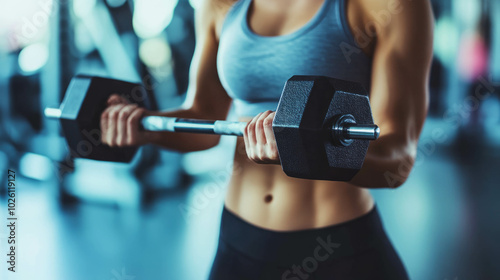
(206, 95)
(401, 62)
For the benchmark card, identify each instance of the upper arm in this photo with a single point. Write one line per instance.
(401, 63)
(206, 95)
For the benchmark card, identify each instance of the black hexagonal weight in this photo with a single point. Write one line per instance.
(81, 109)
(303, 122)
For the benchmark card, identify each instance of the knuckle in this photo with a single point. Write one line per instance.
(112, 114)
(250, 155)
(273, 149)
(140, 112)
(259, 125)
(261, 153)
(131, 121)
(268, 122)
(105, 115)
(250, 126)
(122, 115)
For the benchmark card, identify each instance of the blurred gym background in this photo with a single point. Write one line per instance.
(158, 217)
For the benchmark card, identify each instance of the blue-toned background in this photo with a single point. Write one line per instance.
(158, 217)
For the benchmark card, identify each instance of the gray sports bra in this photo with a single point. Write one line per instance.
(253, 69)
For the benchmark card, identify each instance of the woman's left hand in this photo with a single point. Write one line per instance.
(260, 143)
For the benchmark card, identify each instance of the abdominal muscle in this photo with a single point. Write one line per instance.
(264, 196)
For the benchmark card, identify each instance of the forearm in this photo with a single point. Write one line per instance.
(182, 142)
(387, 164)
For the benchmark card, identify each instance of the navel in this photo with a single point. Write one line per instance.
(268, 198)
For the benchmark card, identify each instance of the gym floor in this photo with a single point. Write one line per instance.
(443, 222)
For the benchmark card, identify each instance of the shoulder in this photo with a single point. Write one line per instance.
(213, 12)
(384, 21)
(214, 8)
(386, 15)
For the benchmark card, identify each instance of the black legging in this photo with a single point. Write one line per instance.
(357, 249)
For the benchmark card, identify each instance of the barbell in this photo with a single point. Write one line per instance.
(322, 125)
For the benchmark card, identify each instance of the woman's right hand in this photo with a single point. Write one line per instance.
(120, 123)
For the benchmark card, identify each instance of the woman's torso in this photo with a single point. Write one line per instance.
(254, 61)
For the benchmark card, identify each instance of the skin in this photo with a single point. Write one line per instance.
(259, 191)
